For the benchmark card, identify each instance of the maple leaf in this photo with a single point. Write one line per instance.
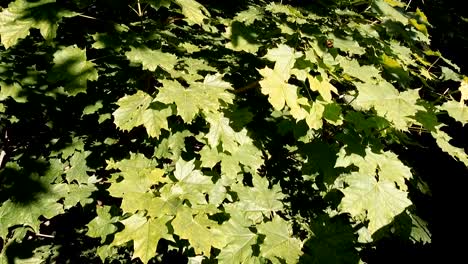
(103, 224)
(239, 242)
(280, 93)
(27, 214)
(198, 230)
(220, 132)
(323, 86)
(185, 99)
(279, 246)
(457, 110)
(366, 73)
(386, 10)
(388, 102)
(80, 193)
(155, 120)
(194, 12)
(192, 184)
(387, 164)
(13, 90)
(71, 67)
(284, 58)
(258, 201)
(206, 96)
(78, 167)
(249, 16)
(131, 110)
(136, 175)
(22, 15)
(151, 59)
(145, 234)
(378, 201)
(172, 146)
(443, 141)
(346, 44)
(314, 117)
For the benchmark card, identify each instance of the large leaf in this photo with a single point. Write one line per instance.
(145, 234)
(72, 68)
(22, 15)
(388, 102)
(194, 12)
(279, 246)
(377, 201)
(198, 230)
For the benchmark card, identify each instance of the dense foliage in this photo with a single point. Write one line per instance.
(246, 131)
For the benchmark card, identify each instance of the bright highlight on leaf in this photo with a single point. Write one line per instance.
(151, 59)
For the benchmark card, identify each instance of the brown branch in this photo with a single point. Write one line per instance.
(249, 86)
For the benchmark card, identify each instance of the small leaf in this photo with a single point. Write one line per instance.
(131, 110)
(151, 59)
(103, 224)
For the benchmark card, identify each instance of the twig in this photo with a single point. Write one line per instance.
(247, 87)
(44, 235)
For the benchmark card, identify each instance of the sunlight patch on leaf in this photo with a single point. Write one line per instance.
(193, 11)
(151, 59)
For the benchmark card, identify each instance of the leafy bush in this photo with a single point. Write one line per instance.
(216, 131)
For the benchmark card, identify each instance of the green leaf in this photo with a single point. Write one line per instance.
(386, 164)
(346, 44)
(239, 243)
(388, 102)
(207, 96)
(145, 234)
(136, 175)
(249, 16)
(280, 93)
(103, 224)
(258, 201)
(457, 110)
(131, 110)
(279, 246)
(221, 132)
(284, 58)
(72, 68)
(377, 201)
(323, 86)
(78, 169)
(11, 90)
(366, 73)
(193, 11)
(386, 10)
(80, 193)
(443, 141)
(156, 120)
(198, 230)
(91, 109)
(22, 15)
(151, 59)
(44, 204)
